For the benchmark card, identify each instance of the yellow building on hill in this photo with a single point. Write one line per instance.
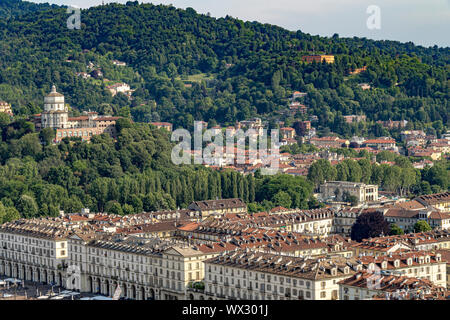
(319, 58)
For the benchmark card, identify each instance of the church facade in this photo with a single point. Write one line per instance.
(56, 116)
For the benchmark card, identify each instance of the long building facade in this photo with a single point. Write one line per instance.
(132, 256)
(35, 251)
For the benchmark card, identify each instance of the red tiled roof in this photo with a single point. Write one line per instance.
(106, 118)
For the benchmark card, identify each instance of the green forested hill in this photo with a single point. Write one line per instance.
(238, 69)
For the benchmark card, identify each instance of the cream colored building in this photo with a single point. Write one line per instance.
(187, 264)
(344, 220)
(424, 241)
(312, 222)
(56, 113)
(262, 276)
(34, 250)
(440, 201)
(406, 219)
(218, 207)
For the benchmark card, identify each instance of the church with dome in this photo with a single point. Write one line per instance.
(56, 113)
(56, 116)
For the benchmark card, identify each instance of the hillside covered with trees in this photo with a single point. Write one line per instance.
(235, 69)
(185, 67)
(132, 174)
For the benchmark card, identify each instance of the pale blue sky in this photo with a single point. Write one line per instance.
(424, 22)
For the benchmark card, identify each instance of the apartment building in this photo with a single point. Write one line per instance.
(379, 248)
(381, 144)
(316, 222)
(312, 222)
(34, 250)
(186, 263)
(145, 269)
(419, 264)
(255, 124)
(345, 218)
(162, 230)
(218, 207)
(120, 88)
(446, 257)
(328, 142)
(262, 276)
(56, 116)
(423, 241)
(5, 107)
(440, 201)
(337, 189)
(366, 285)
(166, 125)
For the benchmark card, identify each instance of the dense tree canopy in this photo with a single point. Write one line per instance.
(422, 226)
(235, 69)
(130, 175)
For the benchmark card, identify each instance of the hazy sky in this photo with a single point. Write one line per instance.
(424, 22)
